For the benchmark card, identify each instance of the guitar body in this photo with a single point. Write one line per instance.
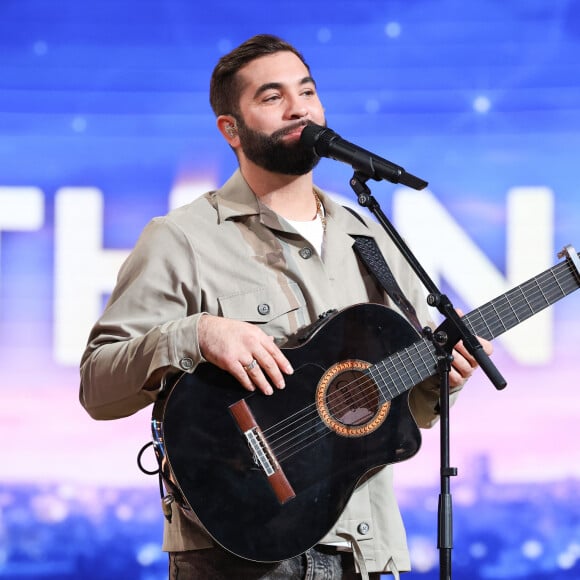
(322, 456)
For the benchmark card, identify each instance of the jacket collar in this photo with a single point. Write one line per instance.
(235, 200)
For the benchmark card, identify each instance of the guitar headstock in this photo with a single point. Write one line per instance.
(570, 254)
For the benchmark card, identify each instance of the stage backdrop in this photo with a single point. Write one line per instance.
(105, 123)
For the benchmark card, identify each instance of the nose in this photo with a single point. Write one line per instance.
(303, 112)
(296, 108)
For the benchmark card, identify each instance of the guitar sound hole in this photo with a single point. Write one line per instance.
(352, 398)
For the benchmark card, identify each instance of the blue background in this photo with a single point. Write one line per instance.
(475, 97)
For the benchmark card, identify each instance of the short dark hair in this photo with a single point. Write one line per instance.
(225, 88)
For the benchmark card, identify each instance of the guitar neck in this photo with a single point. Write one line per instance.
(403, 370)
(520, 303)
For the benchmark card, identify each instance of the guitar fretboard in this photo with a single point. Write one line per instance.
(403, 370)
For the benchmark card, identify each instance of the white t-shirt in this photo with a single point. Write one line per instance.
(312, 230)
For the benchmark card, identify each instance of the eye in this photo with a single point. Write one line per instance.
(271, 98)
(308, 92)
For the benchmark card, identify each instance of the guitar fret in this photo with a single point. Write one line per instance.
(385, 383)
(479, 329)
(558, 283)
(389, 383)
(413, 372)
(427, 366)
(541, 291)
(540, 298)
(507, 297)
(418, 360)
(514, 312)
(527, 301)
(489, 320)
(417, 373)
(496, 318)
(398, 358)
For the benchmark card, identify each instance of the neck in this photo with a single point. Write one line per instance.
(288, 195)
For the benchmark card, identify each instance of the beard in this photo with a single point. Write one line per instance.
(271, 153)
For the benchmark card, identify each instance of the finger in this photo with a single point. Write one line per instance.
(463, 362)
(253, 377)
(460, 370)
(274, 363)
(461, 355)
(282, 362)
(278, 356)
(456, 379)
(485, 344)
(256, 375)
(270, 367)
(242, 376)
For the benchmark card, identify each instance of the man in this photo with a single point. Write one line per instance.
(229, 278)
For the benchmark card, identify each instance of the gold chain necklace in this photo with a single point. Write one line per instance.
(320, 211)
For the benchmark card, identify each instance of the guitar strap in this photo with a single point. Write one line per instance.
(370, 254)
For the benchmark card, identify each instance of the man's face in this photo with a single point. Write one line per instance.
(277, 100)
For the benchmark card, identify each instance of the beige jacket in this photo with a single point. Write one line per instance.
(226, 254)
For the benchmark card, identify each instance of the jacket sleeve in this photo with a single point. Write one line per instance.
(149, 325)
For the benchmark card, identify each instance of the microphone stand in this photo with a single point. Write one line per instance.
(451, 331)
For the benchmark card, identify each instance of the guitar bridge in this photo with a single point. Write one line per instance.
(261, 452)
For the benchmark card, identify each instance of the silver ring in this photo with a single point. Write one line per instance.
(249, 367)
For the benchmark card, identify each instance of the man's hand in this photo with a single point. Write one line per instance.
(464, 364)
(233, 346)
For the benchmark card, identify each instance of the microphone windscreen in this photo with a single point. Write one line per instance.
(310, 135)
(317, 138)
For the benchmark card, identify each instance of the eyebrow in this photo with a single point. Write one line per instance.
(268, 86)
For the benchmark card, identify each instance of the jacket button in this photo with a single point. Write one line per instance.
(306, 253)
(363, 528)
(263, 309)
(186, 363)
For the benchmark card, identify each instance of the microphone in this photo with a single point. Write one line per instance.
(327, 143)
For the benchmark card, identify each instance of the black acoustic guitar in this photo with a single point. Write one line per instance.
(269, 476)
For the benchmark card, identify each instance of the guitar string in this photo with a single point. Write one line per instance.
(526, 300)
(368, 396)
(364, 392)
(305, 439)
(527, 310)
(295, 437)
(309, 416)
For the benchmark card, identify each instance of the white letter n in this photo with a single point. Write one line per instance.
(446, 251)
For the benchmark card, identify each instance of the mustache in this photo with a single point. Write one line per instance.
(277, 135)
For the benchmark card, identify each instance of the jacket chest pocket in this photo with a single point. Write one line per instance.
(280, 309)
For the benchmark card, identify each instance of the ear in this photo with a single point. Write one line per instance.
(228, 127)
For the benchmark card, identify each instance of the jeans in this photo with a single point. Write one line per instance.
(318, 563)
